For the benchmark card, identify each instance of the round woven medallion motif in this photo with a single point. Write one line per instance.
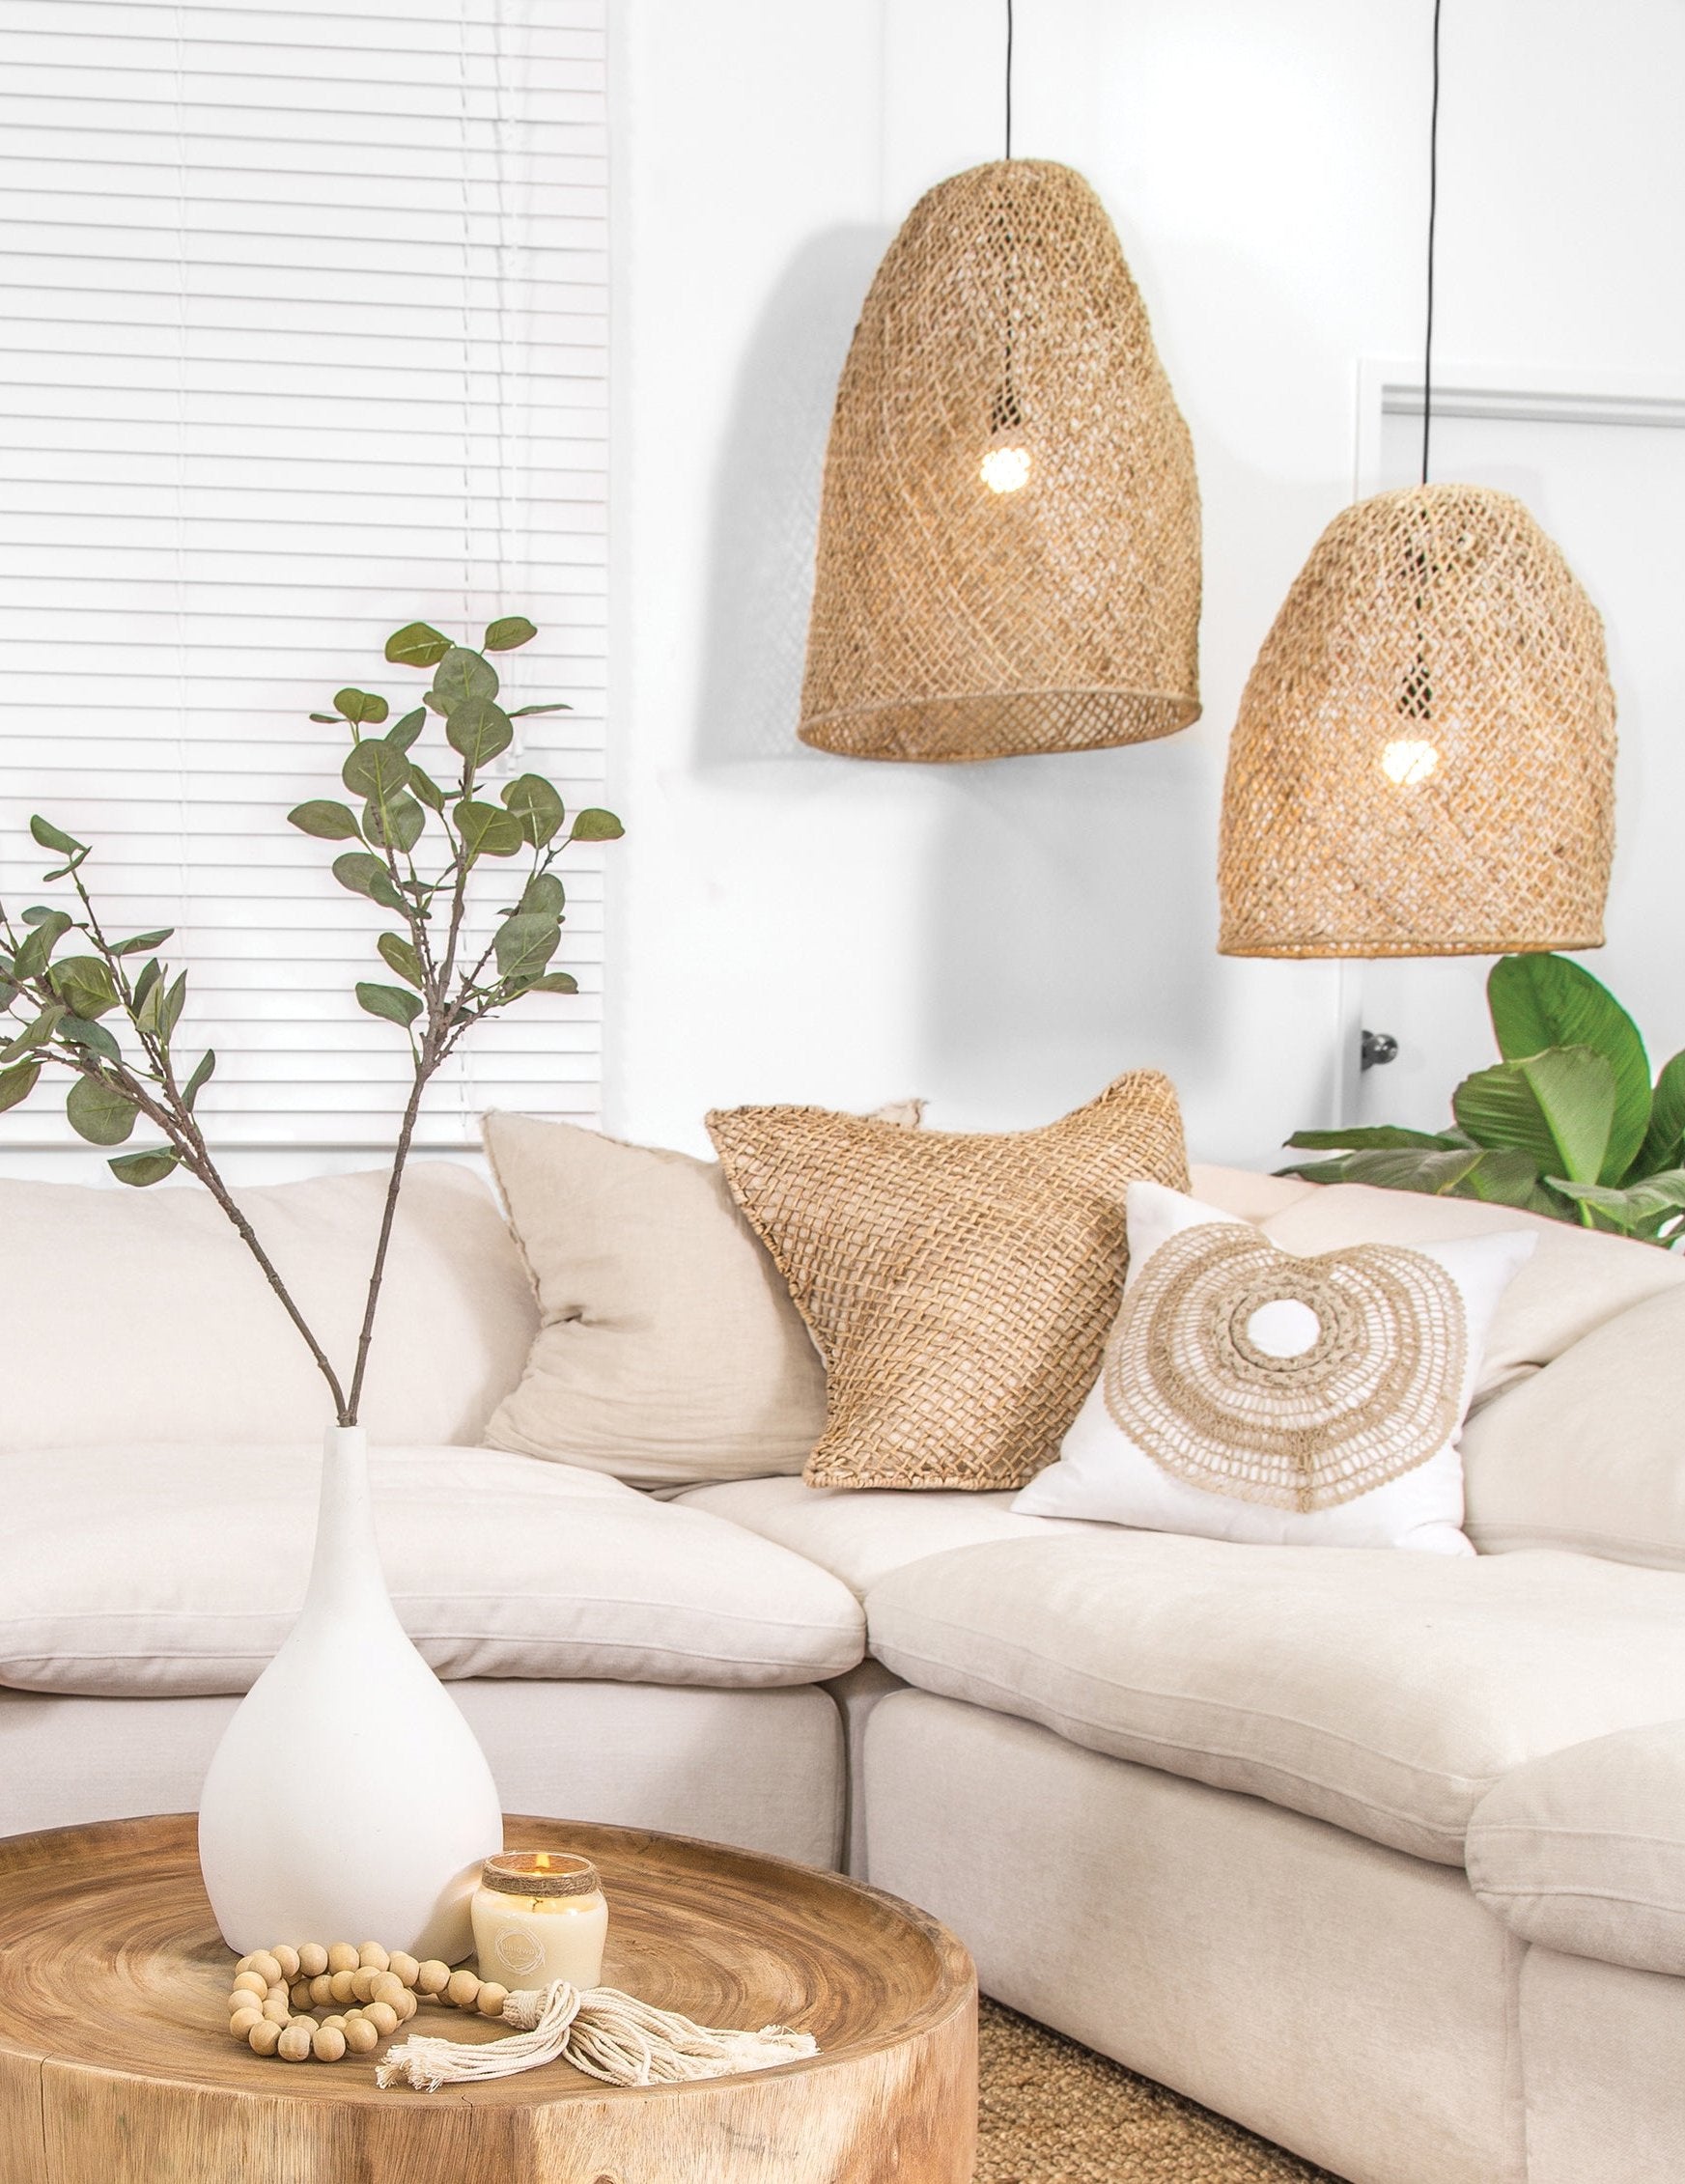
(1297, 1383)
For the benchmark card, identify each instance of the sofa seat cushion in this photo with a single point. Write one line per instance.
(860, 1534)
(1585, 1851)
(182, 1572)
(1384, 1692)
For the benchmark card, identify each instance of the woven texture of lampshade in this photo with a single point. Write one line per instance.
(1425, 759)
(954, 621)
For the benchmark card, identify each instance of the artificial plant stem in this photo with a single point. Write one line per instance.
(425, 1065)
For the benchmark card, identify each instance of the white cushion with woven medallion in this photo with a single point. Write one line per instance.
(1253, 1394)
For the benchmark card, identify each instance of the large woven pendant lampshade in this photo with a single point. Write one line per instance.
(1423, 763)
(1009, 541)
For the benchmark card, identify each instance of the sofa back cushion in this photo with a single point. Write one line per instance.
(1589, 1454)
(140, 1316)
(1576, 1280)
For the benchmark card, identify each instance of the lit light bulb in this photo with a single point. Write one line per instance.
(1004, 469)
(1408, 763)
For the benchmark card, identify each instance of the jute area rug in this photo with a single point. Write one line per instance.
(1053, 2113)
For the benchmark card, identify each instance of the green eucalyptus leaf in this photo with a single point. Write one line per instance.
(51, 837)
(79, 1031)
(478, 729)
(1557, 1107)
(504, 635)
(400, 955)
(418, 644)
(142, 941)
(555, 981)
(18, 1083)
(36, 952)
(402, 733)
(487, 830)
(142, 1168)
(374, 767)
(427, 789)
(98, 1112)
(545, 895)
(461, 675)
(327, 720)
(397, 823)
(1664, 1145)
(200, 1077)
(390, 1002)
(521, 712)
(594, 826)
(526, 943)
(84, 985)
(36, 1033)
(361, 706)
(536, 804)
(170, 1008)
(325, 819)
(364, 873)
(8, 992)
(1548, 1000)
(148, 977)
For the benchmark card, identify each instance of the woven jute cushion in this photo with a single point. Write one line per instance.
(959, 1286)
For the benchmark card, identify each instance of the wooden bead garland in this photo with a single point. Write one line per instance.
(370, 1990)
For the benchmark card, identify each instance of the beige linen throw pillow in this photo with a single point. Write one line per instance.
(668, 1350)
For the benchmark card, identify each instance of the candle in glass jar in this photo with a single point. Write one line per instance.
(540, 1916)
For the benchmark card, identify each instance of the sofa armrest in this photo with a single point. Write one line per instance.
(1584, 1850)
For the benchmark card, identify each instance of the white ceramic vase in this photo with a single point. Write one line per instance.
(348, 1799)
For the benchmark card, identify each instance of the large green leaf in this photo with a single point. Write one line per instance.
(37, 1033)
(1506, 1176)
(142, 1168)
(487, 830)
(98, 1112)
(1403, 1168)
(399, 955)
(404, 732)
(142, 941)
(92, 1038)
(1374, 1137)
(536, 804)
(1664, 1145)
(49, 930)
(418, 644)
(595, 826)
(396, 824)
(544, 895)
(1547, 1000)
(51, 837)
(461, 675)
(509, 631)
(389, 1001)
(1557, 1107)
(1640, 1206)
(555, 981)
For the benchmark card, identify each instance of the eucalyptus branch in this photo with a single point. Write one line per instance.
(438, 1003)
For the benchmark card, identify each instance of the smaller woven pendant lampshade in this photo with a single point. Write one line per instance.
(1009, 541)
(1424, 764)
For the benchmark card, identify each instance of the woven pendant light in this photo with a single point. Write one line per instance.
(1009, 538)
(1424, 764)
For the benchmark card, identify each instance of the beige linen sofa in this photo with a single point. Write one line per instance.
(1382, 1854)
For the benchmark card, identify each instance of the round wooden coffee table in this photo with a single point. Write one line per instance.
(116, 2066)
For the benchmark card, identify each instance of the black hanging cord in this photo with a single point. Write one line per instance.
(1009, 78)
(1433, 199)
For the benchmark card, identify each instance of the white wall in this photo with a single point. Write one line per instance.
(1005, 938)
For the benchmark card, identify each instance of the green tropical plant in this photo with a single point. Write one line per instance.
(74, 1000)
(1567, 1123)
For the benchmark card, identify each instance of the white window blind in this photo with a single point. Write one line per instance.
(303, 338)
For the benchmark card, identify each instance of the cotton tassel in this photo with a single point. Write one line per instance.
(606, 2034)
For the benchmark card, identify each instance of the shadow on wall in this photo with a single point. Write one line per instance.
(1070, 931)
(765, 500)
